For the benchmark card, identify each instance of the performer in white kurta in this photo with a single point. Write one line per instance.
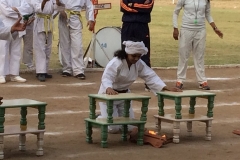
(42, 36)
(10, 55)
(192, 37)
(70, 35)
(121, 72)
(27, 57)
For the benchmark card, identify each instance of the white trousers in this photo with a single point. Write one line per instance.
(10, 57)
(118, 111)
(191, 41)
(71, 48)
(42, 51)
(28, 47)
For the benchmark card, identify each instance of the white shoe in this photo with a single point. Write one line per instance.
(2, 80)
(17, 79)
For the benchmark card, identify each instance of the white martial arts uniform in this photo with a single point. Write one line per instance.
(10, 55)
(42, 34)
(70, 35)
(5, 32)
(27, 58)
(118, 76)
(192, 36)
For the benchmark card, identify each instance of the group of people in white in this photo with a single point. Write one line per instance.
(32, 22)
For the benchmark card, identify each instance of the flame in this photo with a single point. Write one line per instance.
(164, 136)
(152, 132)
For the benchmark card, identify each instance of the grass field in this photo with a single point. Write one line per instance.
(163, 47)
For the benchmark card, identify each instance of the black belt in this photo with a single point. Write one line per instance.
(121, 91)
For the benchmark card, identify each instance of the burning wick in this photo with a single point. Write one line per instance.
(152, 132)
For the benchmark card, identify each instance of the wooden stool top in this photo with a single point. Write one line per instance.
(186, 93)
(120, 96)
(15, 103)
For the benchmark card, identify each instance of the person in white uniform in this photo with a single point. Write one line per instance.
(192, 37)
(70, 35)
(9, 33)
(27, 57)
(42, 36)
(10, 56)
(121, 72)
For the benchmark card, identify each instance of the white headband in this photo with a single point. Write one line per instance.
(135, 47)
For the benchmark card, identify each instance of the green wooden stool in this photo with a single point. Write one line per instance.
(124, 121)
(23, 129)
(176, 118)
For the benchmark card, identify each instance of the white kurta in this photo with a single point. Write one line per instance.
(10, 55)
(70, 35)
(42, 37)
(118, 76)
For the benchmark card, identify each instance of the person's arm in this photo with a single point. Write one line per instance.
(109, 76)
(210, 20)
(90, 15)
(125, 8)
(43, 4)
(8, 11)
(176, 12)
(145, 7)
(153, 81)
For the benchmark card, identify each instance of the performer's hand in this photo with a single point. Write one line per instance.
(174, 89)
(175, 33)
(219, 33)
(30, 20)
(63, 14)
(17, 26)
(110, 91)
(90, 25)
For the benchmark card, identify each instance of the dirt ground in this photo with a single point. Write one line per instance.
(67, 100)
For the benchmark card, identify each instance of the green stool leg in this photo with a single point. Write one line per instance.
(160, 105)
(104, 136)
(144, 109)
(23, 121)
(192, 105)
(41, 117)
(126, 108)
(178, 108)
(92, 107)
(124, 133)
(2, 119)
(210, 106)
(140, 134)
(110, 111)
(88, 132)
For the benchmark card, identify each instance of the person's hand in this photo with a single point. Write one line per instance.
(219, 33)
(59, 3)
(173, 89)
(175, 33)
(90, 25)
(30, 20)
(110, 91)
(147, 2)
(17, 26)
(15, 9)
(63, 14)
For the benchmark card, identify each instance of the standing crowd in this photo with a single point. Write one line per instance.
(36, 19)
(37, 37)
